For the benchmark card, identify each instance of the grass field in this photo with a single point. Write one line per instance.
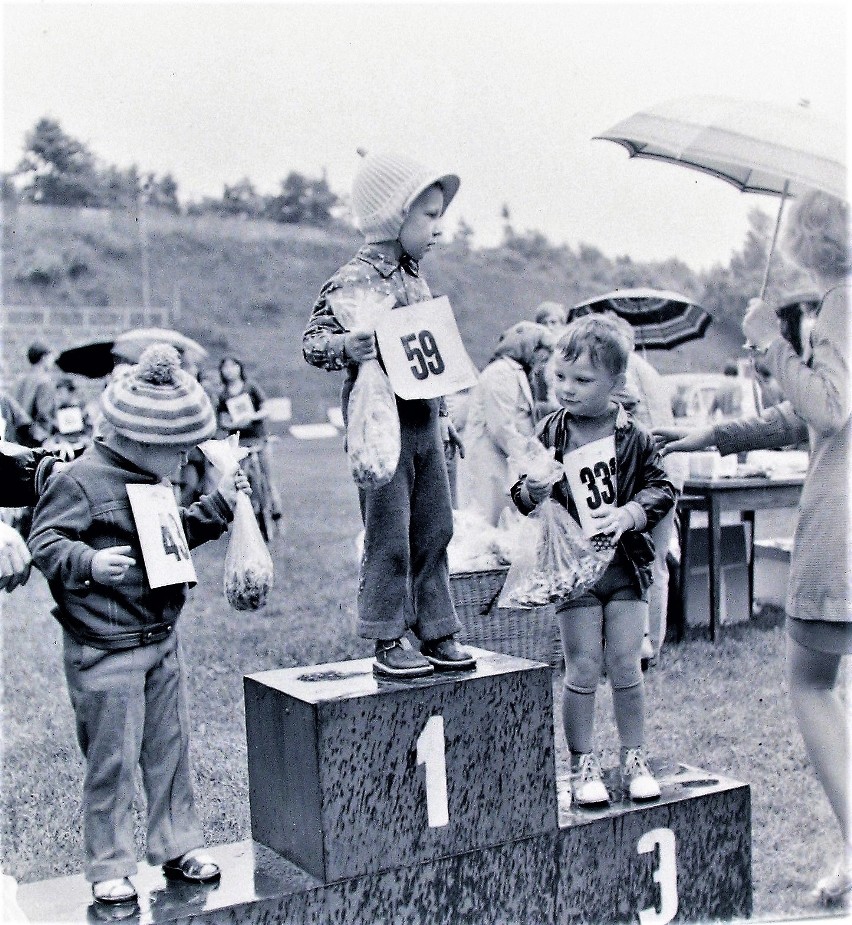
(720, 706)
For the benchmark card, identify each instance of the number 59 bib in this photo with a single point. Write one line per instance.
(423, 351)
(591, 478)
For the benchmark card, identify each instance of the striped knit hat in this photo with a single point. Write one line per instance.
(157, 403)
(384, 188)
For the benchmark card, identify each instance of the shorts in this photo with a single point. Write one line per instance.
(829, 636)
(616, 584)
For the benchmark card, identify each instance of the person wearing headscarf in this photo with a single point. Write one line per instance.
(501, 417)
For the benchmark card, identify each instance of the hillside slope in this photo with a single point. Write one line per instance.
(247, 287)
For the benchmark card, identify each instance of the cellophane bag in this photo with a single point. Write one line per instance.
(552, 560)
(372, 420)
(248, 573)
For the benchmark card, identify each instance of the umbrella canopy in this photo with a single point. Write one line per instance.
(758, 147)
(129, 346)
(94, 360)
(661, 319)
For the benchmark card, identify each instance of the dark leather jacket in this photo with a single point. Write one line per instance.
(640, 477)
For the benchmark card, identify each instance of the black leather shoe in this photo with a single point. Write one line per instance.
(447, 655)
(394, 661)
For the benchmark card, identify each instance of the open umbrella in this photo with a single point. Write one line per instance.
(758, 147)
(661, 319)
(94, 360)
(129, 345)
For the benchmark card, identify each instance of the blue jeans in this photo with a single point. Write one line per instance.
(408, 523)
(131, 709)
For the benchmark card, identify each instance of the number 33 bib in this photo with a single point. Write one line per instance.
(590, 470)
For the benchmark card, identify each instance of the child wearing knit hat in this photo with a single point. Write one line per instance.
(408, 523)
(122, 650)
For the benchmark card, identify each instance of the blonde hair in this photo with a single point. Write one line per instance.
(817, 234)
(608, 344)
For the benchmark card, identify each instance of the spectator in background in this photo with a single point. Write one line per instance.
(15, 423)
(36, 393)
(72, 427)
(241, 409)
(728, 400)
(500, 418)
(552, 315)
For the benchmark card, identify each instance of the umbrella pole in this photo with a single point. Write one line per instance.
(784, 194)
(758, 401)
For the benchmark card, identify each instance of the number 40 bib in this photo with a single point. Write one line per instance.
(423, 351)
(591, 477)
(165, 551)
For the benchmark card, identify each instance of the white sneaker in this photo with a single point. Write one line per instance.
(835, 889)
(587, 786)
(636, 777)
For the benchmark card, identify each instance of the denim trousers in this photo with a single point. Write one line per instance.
(408, 523)
(131, 710)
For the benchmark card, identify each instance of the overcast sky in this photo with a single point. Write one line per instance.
(508, 96)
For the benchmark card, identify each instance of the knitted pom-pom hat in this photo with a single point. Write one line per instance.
(157, 403)
(384, 188)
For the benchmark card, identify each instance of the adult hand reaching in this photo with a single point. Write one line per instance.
(682, 439)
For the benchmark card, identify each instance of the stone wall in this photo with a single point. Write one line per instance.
(63, 327)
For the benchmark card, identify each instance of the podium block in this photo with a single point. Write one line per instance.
(350, 775)
(685, 857)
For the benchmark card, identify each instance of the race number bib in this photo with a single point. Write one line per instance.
(240, 407)
(165, 551)
(423, 351)
(69, 420)
(591, 477)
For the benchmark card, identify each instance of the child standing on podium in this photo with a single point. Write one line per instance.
(408, 523)
(608, 620)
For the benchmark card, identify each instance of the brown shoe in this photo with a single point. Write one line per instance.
(394, 661)
(114, 892)
(447, 655)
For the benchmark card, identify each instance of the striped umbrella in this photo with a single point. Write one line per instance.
(660, 319)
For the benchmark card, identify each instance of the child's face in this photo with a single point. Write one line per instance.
(164, 461)
(422, 226)
(582, 387)
(230, 371)
(553, 320)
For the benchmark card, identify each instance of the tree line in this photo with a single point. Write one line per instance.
(59, 170)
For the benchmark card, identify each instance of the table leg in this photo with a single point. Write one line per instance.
(748, 517)
(684, 571)
(714, 550)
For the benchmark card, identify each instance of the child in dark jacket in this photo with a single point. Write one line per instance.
(626, 492)
(408, 523)
(122, 649)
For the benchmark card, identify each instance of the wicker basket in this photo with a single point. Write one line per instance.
(532, 634)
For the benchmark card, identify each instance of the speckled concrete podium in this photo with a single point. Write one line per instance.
(389, 815)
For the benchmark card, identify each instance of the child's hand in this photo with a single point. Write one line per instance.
(614, 522)
(231, 485)
(360, 346)
(109, 566)
(452, 441)
(14, 558)
(537, 490)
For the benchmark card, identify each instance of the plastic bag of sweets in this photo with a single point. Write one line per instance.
(248, 573)
(372, 421)
(553, 560)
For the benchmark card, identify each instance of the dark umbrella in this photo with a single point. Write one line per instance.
(661, 319)
(93, 360)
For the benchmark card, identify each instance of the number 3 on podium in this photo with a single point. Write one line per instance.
(665, 875)
(431, 754)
